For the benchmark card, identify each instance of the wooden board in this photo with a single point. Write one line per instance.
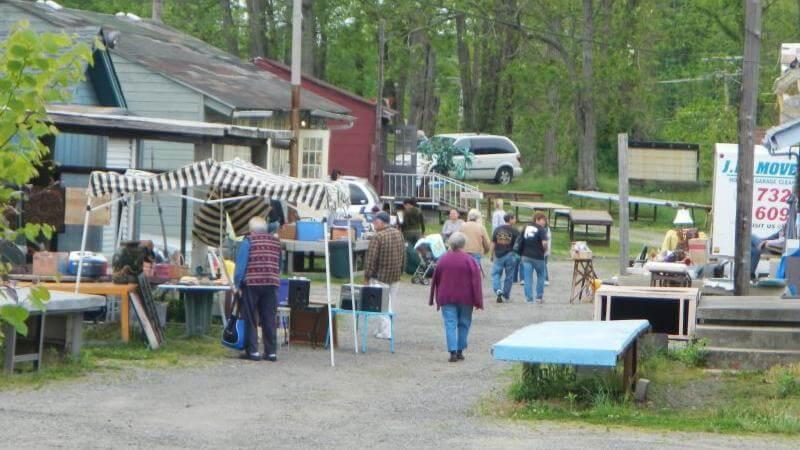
(144, 320)
(75, 209)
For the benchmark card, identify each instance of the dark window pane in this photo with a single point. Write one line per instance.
(357, 196)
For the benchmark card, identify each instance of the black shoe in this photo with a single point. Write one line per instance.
(453, 357)
(250, 357)
(272, 358)
(460, 355)
(499, 297)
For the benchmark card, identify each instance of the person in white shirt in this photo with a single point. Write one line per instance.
(499, 215)
(451, 225)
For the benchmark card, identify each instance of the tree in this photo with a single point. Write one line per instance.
(37, 69)
(229, 30)
(255, 15)
(158, 7)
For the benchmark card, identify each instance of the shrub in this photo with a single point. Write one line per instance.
(541, 382)
(693, 354)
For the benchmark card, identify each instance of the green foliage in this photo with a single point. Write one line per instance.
(37, 69)
(787, 385)
(546, 381)
(446, 158)
(694, 354)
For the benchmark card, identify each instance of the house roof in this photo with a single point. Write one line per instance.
(235, 83)
(277, 68)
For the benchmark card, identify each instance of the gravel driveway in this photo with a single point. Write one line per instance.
(414, 398)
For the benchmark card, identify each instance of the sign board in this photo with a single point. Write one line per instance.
(663, 161)
(75, 210)
(773, 184)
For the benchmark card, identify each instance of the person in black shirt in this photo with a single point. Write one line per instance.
(275, 217)
(531, 246)
(503, 257)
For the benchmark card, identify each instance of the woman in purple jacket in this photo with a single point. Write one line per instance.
(456, 286)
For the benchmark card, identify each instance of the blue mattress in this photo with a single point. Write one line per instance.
(585, 343)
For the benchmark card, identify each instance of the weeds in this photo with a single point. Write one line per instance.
(787, 385)
(694, 354)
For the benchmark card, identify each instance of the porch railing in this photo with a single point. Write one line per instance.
(432, 188)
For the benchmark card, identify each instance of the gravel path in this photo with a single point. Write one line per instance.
(411, 399)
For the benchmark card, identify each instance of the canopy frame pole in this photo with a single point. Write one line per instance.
(328, 289)
(211, 202)
(86, 217)
(154, 196)
(352, 287)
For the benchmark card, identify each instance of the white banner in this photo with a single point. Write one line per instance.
(773, 184)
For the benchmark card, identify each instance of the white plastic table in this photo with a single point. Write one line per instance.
(584, 343)
(64, 322)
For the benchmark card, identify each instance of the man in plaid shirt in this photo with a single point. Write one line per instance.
(386, 258)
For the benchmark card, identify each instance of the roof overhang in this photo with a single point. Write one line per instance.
(117, 122)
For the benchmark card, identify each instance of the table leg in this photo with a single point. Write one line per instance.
(74, 337)
(41, 343)
(10, 347)
(635, 211)
(364, 332)
(124, 319)
(629, 368)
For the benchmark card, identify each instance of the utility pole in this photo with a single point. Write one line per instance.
(297, 35)
(624, 212)
(378, 154)
(747, 124)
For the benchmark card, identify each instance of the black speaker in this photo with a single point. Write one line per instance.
(299, 292)
(368, 298)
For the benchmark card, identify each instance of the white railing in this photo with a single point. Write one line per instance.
(434, 188)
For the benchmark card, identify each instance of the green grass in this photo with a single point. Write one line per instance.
(104, 353)
(682, 397)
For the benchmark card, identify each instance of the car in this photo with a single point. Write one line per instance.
(363, 196)
(495, 158)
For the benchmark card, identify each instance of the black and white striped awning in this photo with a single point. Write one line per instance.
(248, 186)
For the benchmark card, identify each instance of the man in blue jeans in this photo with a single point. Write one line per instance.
(504, 260)
(532, 246)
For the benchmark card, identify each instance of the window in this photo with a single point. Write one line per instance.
(491, 146)
(357, 196)
(312, 157)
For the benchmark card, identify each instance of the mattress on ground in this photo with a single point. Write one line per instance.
(584, 343)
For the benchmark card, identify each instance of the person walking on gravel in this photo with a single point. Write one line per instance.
(456, 288)
(386, 258)
(532, 246)
(504, 260)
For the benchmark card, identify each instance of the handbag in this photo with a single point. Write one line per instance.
(233, 334)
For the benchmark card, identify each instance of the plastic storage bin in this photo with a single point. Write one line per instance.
(308, 230)
(340, 264)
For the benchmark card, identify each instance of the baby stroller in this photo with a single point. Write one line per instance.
(430, 249)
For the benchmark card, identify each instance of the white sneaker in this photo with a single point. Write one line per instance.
(547, 282)
(382, 336)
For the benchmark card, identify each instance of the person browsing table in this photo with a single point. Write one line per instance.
(386, 257)
(257, 277)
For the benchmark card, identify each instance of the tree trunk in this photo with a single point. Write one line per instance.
(585, 114)
(464, 66)
(551, 132)
(229, 31)
(255, 15)
(321, 56)
(309, 41)
(158, 7)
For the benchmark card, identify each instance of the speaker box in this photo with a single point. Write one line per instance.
(368, 298)
(299, 292)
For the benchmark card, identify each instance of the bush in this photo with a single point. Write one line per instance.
(693, 355)
(787, 385)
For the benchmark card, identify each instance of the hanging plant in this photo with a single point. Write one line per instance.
(446, 158)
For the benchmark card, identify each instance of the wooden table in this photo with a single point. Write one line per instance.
(579, 343)
(61, 321)
(672, 311)
(551, 208)
(105, 289)
(587, 218)
(515, 196)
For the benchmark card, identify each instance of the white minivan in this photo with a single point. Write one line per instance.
(495, 158)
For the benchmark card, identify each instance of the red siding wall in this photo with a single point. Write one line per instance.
(351, 150)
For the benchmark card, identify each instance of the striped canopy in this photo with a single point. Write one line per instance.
(227, 179)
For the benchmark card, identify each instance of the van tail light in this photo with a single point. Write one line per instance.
(519, 158)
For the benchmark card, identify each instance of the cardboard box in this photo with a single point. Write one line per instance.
(288, 232)
(341, 234)
(698, 251)
(49, 263)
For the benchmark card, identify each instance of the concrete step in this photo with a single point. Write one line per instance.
(761, 337)
(748, 309)
(749, 358)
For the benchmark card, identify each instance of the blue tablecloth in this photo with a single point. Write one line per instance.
(586, 343)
